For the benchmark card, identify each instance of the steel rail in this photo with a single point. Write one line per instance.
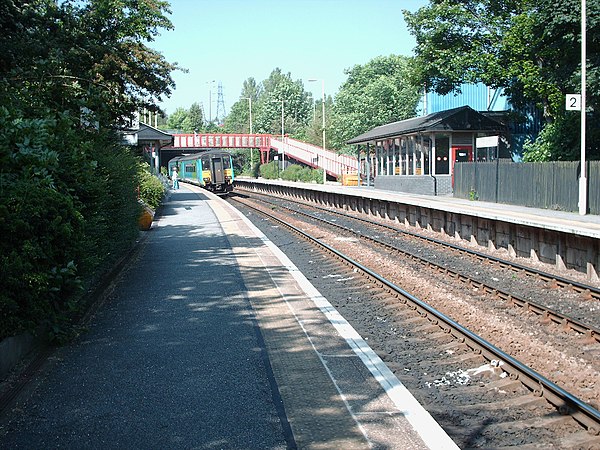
(589, 291)
(565, 402)
(547, 314)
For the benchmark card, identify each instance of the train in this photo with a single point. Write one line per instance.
(213, 170)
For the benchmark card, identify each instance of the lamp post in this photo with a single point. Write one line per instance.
(250, 111)
(210, 100)
(583, 175)
(282, 134)
(323, 114)
(312, 100)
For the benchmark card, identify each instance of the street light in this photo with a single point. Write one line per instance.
(282, 135)
(583, 175)
(323, 114)
(250, 109)
(210, 101)
(312, 100)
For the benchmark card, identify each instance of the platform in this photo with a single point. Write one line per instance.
(213, 339)
(569, 222)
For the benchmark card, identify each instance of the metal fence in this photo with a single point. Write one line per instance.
(550, 185)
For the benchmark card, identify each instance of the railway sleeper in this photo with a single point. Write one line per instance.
(427, 328)
(466, 358)
(441, 336)
(543, 423)
(416, 320)
(453, 345)
(505, 385)
(527, 401)
(581, 439)
(379, 296)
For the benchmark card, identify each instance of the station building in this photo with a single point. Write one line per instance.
(418, 155)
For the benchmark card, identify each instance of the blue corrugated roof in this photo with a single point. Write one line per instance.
(477, 96)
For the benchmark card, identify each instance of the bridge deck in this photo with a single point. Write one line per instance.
(334, 164)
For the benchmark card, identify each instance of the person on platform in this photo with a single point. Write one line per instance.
(175, 178)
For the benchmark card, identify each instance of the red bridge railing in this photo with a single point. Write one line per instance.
(334, 164)
(221, 141)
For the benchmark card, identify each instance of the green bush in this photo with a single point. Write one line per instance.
(295, 172)
(38, 274)
(292, 173)
(151, 189)
(316, 176)
(270, 170)
(68, 202)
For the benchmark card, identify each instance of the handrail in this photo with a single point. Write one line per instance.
(334, 163)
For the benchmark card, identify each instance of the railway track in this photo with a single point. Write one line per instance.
(545, 313)
(400, 322)
(553, 280)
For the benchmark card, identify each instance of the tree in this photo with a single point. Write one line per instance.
(238, 119)
(374, 94)
(68, 187)
(296, 107)
(313, 131)
(89, 54)
(195, 119)
(522, 46)
(177, 120)
(251, 89)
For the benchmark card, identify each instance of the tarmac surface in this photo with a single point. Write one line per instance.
(212, 339)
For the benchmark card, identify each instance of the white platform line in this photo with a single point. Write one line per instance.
(428, 429)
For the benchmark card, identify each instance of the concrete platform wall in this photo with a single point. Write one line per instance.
(427, 185)
(561, 249)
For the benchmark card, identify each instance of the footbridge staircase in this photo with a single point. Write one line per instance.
(334, 164)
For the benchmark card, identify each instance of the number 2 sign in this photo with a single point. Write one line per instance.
(573, 102)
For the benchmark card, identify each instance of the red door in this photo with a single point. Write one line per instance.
(460, 153)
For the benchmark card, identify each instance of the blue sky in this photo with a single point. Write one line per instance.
(231, 40)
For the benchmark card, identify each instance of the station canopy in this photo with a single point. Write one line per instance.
(147, 135)
(461, 119)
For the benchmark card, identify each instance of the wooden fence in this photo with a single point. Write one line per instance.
(550, 185)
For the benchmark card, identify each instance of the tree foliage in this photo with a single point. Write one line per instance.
(313, 131)
(70, 73)
(88, 54)
(296, 107)
(267, 106)
(195, 119)
(374, 94)
(176, 120)
(238, 119)
(530, 49)
(186, 120)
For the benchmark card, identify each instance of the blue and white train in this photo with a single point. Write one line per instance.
(213, 170)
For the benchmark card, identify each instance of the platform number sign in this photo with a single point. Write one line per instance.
(573, 102)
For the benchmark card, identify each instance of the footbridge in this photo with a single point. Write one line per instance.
(335, 165)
